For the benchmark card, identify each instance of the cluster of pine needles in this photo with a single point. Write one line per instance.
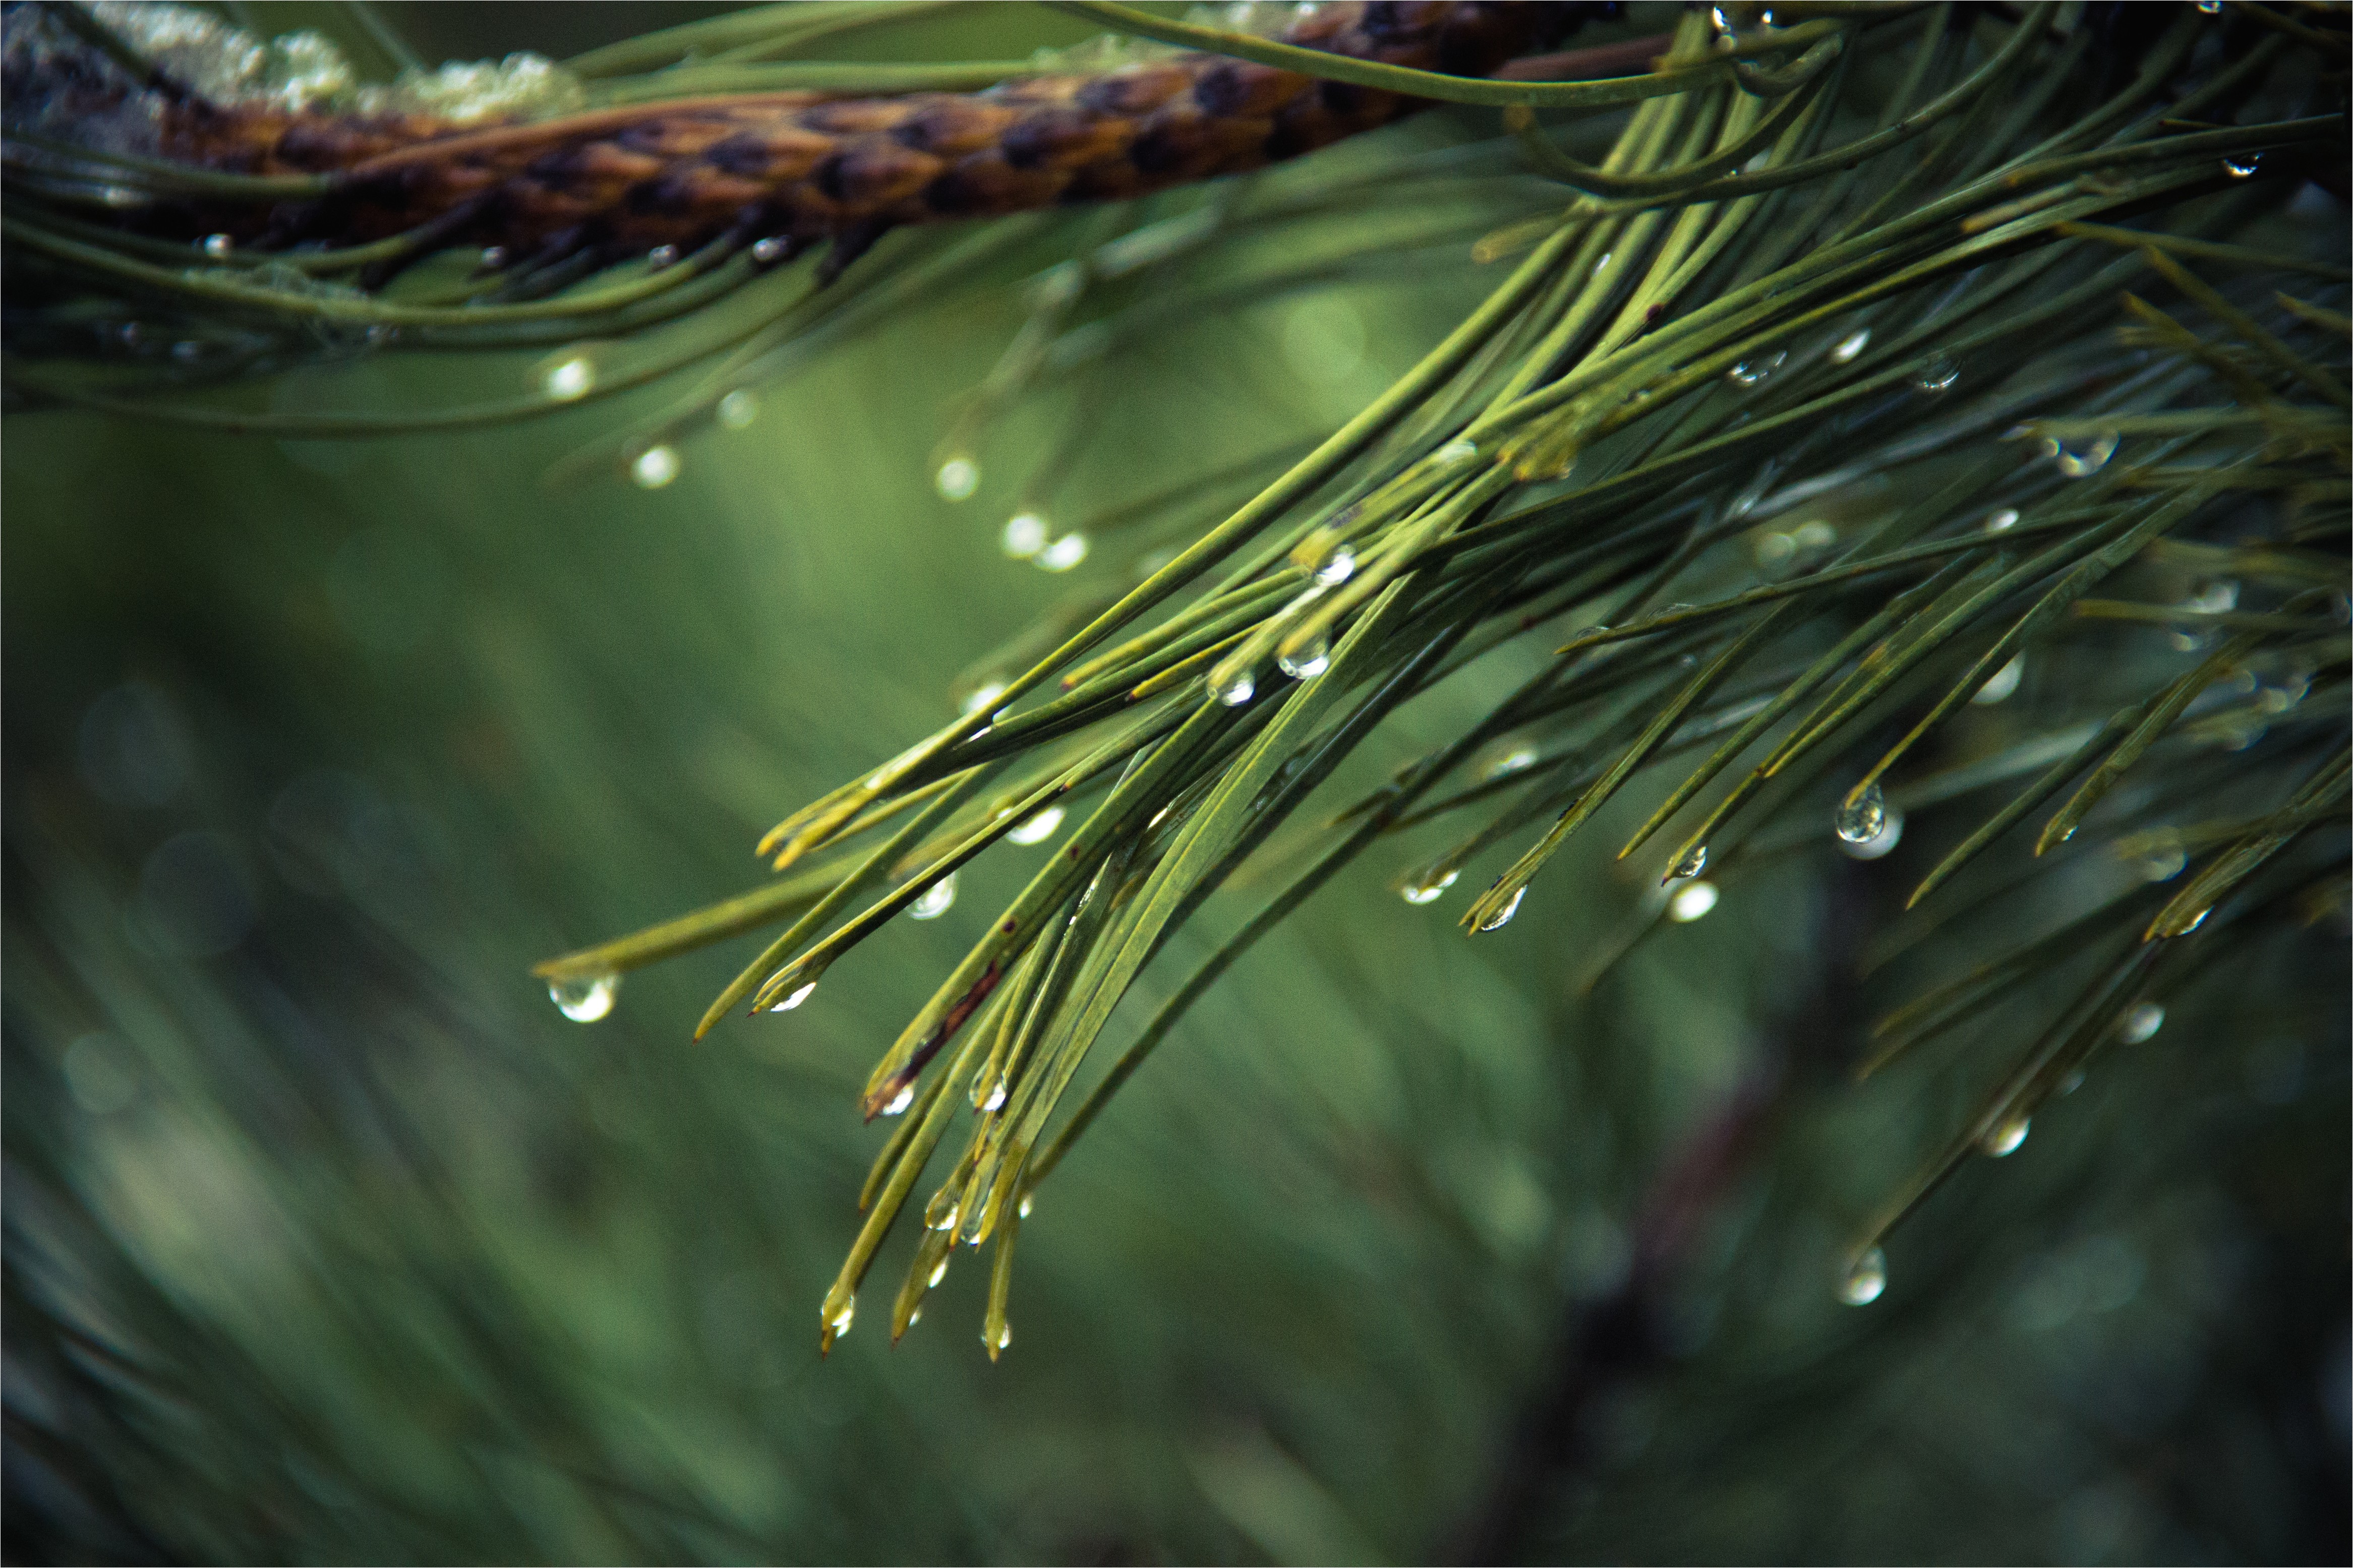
(2011, 293)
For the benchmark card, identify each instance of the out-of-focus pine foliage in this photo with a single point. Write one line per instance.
(327, 1238)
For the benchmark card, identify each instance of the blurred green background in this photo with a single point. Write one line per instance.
(329, 1240)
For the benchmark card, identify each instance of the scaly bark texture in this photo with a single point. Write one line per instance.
(804, 167)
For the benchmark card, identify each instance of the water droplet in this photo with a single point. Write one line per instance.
(1891, 832)
(2071, 1082)
(1455, 453)
(2003, 1141)
(943, 1212)
(1751, 372)
(901, 1101)
(795, 998)
(1516, 760)
(1306, 663)
(218, 245)
(2001, 683)
(2211, 7)
(738, 409)
(995, 1099)
(2196, 920)
(187, 349)
(1425, 888)
(1861, 814)
(939, 1272)
(493, 258)
(841, 1312)
(985, 698)
(1064, 552)
(1026, 1205)
(654, 467)
(1775, 550)
(1336, 567)
(2140, 1021)
(1004, 1337)
(1690, 865)
(2239, 166)
(584, 1000)
(570, 380)
(1692, 900)
(2002, 522)
(2083, 456)
(957, 478)
(1940, 374)
(1503, 917)
(1039, 829)
(914, 1317)
(1851, 345)
(2212, 596)
(1865, 1279)
(1815, 535)
(2164, 862)
(770, 250)
(1025, 534)
(937, 899)
(1235, 689)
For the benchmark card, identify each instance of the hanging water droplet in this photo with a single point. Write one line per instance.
(1891, 831)
(2140, 1021)
(937, 899)
(1940, 374)
(914, 1317)
(738, 409)
(1425, 888)
(1815, 534)
(1455, 453)
(1865, 1279)
(1692, 900)
(2164, 861)
(1004, 1337)
(985, 697)
(1308, 662)
(1861, 814)
(841, 1310)
(1517, 759)
(1850, 345)
(218, 245)
(901, 1101)
(660, 257)
(995, 1099)
(957, 478)
(943, 1212)
(1690, 865)
(2196, 920)
(2239, 166)
(1234, 688)
(2071, 1082)
(1751, 372)
(571, 378)
(1775, 550)
(771, 250)
(1336, 567)
(795, 998)
(1027, 1204)
(493, 258)
(1063, 553)
(1503, 917)
(586, 1000)
(1039, 829)
(2001, 683)
(2083, 456)
(2003, 1141)
(1024, 535)
(2002, 522)
(2212, 596)
(654, 467)
(939, 1272)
